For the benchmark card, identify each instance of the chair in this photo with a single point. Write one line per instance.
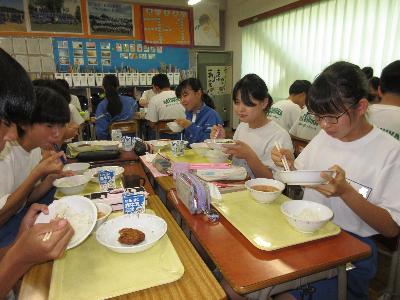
(390, 247)
(161, 127)
(298, 144)
(126, 127)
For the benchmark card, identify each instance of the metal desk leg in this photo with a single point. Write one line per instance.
(342, 282)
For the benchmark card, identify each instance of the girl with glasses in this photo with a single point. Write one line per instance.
(363, 192)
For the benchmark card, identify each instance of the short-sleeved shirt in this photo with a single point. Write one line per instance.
(165, 106)
(285, 113)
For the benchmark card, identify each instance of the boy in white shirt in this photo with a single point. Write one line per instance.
(24, 179)
(305, 127)
(146, 96)
(16, 105)
(386, 114)
(286, 112)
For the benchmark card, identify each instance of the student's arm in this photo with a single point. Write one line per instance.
(52, 164)
(375, 216)
(243, 151)
(30, 249)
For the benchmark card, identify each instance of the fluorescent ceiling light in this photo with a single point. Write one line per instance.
(193, 2)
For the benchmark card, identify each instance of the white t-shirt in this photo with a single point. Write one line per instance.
(262, 140)
(372, 166)
(75, 115)
(285, 113)
(305, 127)
(146, 96)
(15, 166)
(75, 102)
(164, 106)
(386, 117)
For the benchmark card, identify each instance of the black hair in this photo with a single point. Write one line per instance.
(17, 98)
(111, 84)
(195, 85)
(339, 84)
(50, 107)
(390, 78)
(368, 71)
(299, 86)
(161, 81)
(251, 85)
(63, 82)
(54, 85)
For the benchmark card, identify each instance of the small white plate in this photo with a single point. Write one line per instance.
(79, 211)
(152, 226)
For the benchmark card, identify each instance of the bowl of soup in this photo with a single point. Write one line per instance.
(264, 190)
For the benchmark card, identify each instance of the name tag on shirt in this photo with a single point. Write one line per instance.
(364, 190)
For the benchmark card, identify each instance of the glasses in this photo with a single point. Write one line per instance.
(330, 119)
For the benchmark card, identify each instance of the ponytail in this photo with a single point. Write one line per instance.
(207, 100)
(110, 84)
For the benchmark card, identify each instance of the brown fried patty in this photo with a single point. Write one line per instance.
(131, 236)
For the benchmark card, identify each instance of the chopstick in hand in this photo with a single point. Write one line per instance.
(57, 149)
(283, 159)
(48, 234)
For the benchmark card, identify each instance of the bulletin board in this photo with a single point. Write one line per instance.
(109, 55)
(167, 26)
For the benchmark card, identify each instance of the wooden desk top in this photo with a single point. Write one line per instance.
(247, 269)
(167, 183)
(124, 157)
(196, 283)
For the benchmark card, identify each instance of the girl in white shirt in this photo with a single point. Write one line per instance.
(363, 192)
(256, 134)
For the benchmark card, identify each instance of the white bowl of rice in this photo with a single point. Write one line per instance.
(80, 212)
(306, 216)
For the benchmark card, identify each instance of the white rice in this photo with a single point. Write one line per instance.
(80, 222)
(308, 214)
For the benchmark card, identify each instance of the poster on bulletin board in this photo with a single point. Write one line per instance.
(216, 80)
(12, 15)
(167, 26)
(206, 25)
(55, 16)
(111, 18)
(109, 55)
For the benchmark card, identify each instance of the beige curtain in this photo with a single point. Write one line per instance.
(300, 43)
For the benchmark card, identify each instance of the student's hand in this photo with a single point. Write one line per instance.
(239, 150)
(50, 165)
(185, 123)
(277, 156)
(336, 186)
(217, 132)
(31, 249)
(29, 219)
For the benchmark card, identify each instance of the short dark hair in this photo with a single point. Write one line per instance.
(299, 86)
(339, 84)
(251, 85)
(374, 83)
(54, 85)
(17, 98)
(63, 82)
(390, 78)
(368, 71)
(161, 81)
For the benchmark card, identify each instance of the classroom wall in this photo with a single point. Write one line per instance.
(237, 10)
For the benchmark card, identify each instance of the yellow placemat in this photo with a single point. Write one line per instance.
(91, 271)
(189, 157)
(91, 187)
(263, 224)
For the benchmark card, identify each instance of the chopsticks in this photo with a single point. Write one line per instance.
(283, 159)
(48, 234)
(57, 149)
